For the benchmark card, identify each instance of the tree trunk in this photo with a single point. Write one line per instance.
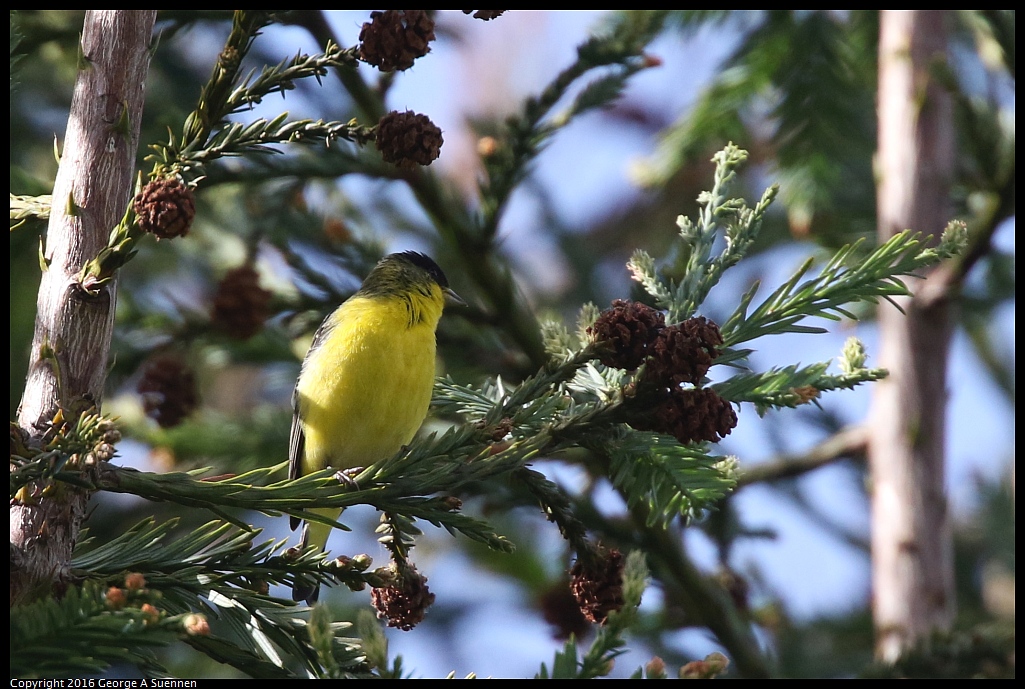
(912, 562)
(68, 363)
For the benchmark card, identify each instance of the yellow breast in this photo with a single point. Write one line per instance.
(365, 391)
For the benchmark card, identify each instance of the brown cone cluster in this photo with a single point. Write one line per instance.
(404, 603)
(683, 353)
(560, 609)
(597, 585)
(392, 40)
(673, 356)
(241, 306)
(627, 330)
(486, 15)
(165, 208)
(168, 389)
(690, 415)
(407, 139)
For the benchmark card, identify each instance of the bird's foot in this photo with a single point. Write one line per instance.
(348, 476)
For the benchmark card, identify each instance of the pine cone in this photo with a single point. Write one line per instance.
(486, 15)
(404, 604)
(690, 415)
(560, 609)
(683, 353)
(241, 306)
(165, 208)
(597, 585)
(408, 139)
(393, 39)
(168, 389)
(627, 330)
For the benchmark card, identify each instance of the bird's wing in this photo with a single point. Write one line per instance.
(296, 437)
(296, 444)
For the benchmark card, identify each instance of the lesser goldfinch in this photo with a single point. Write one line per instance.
(365, 384)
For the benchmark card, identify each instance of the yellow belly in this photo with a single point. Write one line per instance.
(365, 392)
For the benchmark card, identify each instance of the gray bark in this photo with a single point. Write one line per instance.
(90, 195)
(912, 563)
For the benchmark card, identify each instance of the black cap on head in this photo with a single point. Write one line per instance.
(427, 263)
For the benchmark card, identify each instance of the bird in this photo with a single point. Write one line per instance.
(365, 385)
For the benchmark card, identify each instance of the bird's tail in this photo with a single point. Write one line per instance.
(315, 534)
(310, 594)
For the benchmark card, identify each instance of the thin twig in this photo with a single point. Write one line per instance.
(848, 443)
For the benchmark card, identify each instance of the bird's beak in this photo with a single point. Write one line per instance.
(452, 299)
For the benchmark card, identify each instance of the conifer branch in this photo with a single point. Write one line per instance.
(524, 135)
(236, 138)
(206, 134)
(557, 507)
(86, 632)
(791, 386)
(845, 279)
(740, 226)
(218, 566)
(25, 208)
(671, 480)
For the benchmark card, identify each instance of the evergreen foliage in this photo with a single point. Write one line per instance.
(155, 584)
